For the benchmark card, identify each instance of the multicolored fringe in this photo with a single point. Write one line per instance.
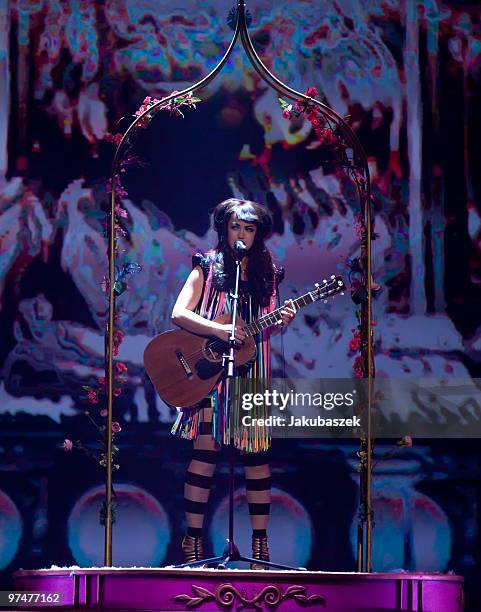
(227, 424)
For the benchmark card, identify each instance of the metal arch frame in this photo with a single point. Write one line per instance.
(365, 525)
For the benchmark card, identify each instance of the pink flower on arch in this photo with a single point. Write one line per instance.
(67, 445)
(326, 136)
(358, 367)
(116, 427)
(121, 212)
(92, 397)
(121, 367)
(114, 138)
(358, 229)
(355, 343)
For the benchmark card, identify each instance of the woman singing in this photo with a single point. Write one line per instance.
(205, 296)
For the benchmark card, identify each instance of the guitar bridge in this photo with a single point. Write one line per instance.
(183, 363)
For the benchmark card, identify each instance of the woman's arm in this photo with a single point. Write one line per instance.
(183, 315)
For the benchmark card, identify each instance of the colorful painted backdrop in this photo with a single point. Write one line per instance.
(407, 73)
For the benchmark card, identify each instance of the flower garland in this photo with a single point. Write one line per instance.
(404, 442)
(97, 394)
(325, 133)
(355, 345)
(173, 106)
(358, 282)
(328, 136)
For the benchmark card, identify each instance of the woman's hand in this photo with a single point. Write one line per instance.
(287, 313)
(223, 333)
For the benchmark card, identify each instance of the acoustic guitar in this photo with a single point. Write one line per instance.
(184, 367)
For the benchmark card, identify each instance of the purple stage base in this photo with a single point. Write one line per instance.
(208, 590)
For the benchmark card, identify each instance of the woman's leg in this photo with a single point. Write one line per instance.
(197, 486)
(258, 491)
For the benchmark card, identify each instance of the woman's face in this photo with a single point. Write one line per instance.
(240, 230)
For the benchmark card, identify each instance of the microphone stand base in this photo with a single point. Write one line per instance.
(231, 554)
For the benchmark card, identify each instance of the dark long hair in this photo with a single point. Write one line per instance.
(262, 273)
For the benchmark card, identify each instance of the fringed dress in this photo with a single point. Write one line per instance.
(227, 427)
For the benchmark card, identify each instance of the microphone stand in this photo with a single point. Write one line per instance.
(231, 553)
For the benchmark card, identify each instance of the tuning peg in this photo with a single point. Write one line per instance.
(324, 280)
(332, 276)
(325, 301)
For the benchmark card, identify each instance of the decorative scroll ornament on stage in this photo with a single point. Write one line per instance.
(226, 595)
(349, 155)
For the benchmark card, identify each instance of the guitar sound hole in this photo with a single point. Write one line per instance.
(214, 349)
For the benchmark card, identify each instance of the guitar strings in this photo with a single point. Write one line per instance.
(218, 344)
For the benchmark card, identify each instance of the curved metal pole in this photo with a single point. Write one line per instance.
(202, 83)
(367, 314)
(295, 95)
(364, 557)
(111, 316)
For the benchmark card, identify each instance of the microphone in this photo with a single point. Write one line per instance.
(240, 247)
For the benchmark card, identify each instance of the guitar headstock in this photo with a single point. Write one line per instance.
(332, 286)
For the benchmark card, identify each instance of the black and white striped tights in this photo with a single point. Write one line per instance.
(200, 474)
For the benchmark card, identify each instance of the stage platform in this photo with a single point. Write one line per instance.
(209, 589)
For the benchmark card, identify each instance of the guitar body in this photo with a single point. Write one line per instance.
(184, 367)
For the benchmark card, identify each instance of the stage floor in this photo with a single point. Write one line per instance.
(166, 589)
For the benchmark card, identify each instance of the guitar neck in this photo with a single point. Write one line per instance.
(275, 316)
